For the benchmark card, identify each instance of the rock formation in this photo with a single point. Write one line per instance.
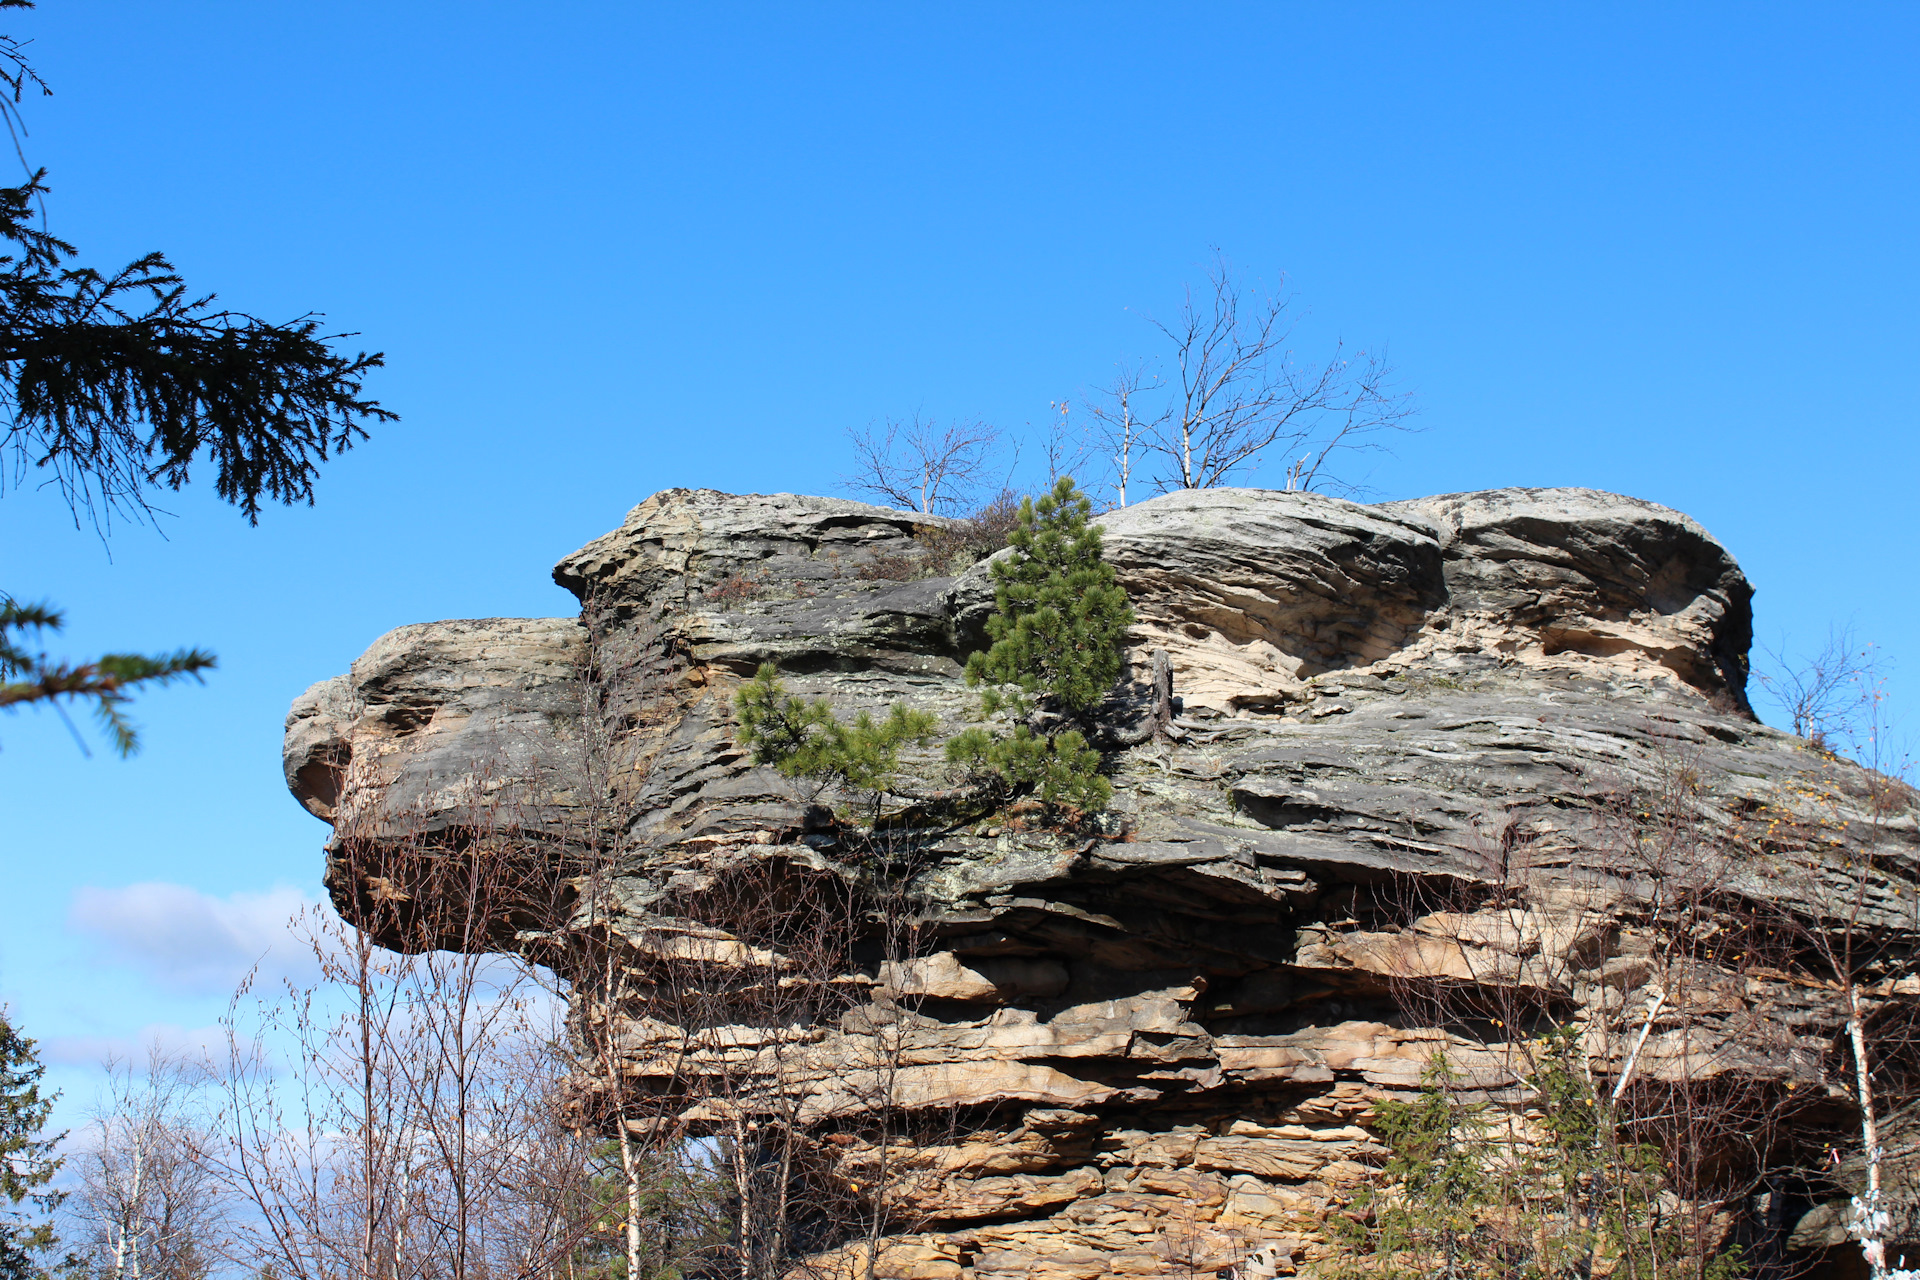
(1431, 761)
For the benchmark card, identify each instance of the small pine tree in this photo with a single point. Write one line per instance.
(804, 739)
(27, 1162)
(684, 1208)
(1468, 1192)
(1058, 621)
(1424, 1220)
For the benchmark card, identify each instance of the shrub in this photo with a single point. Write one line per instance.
(805, 739)
(1471, 1190)
(1059, 617)
(1062, 769)
(1058, 621)
(736, 588)
(957, 547)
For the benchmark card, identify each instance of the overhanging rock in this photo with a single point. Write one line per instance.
(1417, 748)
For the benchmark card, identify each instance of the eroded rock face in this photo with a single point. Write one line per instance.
(1421, 756)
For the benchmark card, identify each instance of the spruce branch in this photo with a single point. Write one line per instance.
(27, 677)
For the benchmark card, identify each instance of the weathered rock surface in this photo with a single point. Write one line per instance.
(1483, 750)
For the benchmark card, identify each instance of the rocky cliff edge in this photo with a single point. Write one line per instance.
(1416, 749)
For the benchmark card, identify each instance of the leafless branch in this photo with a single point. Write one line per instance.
(921, 465)
(1117, 408)
(148, 1204)
(1066, 452)
(1235, 391)
(1828, 695)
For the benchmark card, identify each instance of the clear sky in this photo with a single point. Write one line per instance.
(613, 248)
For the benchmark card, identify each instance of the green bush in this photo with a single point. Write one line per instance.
(1058, 621)
(805, 739)
(1472, 1192)
(1062, 770)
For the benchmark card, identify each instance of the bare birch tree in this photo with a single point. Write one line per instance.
(1117, 408)
(395, 1121)
(1831, 849)
(148, 1202)
(668, 1205)
(919, 464)
(1830, 695)
(1233, 391)
(702, 1021)
(1608, 1096)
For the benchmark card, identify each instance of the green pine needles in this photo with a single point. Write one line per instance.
(1061, 769)
(804, 739)
(28, 1159)
(1058, 621)
(1474, 1191)
(28, 678)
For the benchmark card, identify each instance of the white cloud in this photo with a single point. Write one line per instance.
(189, 941)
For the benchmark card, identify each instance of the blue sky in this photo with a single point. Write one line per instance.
(611, 248)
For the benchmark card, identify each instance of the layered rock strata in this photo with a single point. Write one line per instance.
(1433, 762)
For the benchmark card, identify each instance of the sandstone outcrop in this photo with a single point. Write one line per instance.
(1417, 750)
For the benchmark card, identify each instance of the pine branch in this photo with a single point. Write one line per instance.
(27, 678)
(117, 384)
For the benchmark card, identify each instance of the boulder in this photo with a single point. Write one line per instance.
(1487, 751)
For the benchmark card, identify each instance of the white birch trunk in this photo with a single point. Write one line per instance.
(1870, 1220)
(630, 1170)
